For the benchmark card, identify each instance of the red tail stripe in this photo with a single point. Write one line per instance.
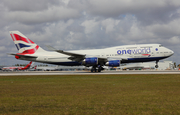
(19, 38)
(30, 51)
(12, 37)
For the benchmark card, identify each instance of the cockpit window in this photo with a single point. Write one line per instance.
(160, 45)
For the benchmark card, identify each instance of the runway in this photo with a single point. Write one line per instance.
(11, 73)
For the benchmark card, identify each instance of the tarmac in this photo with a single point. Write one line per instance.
(119, 72)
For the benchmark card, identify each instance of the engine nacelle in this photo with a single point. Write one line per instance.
(90, 61)
(113, 63)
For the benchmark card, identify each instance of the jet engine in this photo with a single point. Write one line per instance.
(90, 61)
(113, 63)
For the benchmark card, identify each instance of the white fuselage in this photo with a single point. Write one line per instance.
(126, 53)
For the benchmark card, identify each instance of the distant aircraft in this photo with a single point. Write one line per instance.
(97, 58)
(47, 68)
(18, 68)
(32, 68)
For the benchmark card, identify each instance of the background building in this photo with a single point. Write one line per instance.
(166, 65)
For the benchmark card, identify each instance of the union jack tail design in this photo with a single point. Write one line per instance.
(24, 44)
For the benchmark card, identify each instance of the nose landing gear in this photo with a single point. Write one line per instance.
(156, 66)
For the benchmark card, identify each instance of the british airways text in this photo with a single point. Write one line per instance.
(135, 51)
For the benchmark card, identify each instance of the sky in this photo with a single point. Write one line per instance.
(89, 24)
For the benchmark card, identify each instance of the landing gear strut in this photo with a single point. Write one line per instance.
(156, 66)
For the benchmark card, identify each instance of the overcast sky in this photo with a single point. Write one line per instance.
(90, 24)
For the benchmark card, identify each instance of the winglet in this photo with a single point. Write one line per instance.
(51, 48)
(54, 49)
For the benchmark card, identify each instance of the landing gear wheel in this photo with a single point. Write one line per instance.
(156, 66)
(93, 69)
(99, 69)
(96, 68)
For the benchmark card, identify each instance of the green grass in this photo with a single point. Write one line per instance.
(90, 94)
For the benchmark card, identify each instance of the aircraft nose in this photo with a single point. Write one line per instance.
(171, 52)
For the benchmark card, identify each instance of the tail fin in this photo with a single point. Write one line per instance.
(24, 44)
(27, 66)
(35, 67)
(32, 65)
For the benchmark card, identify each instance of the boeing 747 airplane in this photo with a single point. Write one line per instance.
(97, 58)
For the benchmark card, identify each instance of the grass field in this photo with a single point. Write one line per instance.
(90, 95)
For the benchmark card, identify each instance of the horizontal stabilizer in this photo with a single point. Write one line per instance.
(28, 56)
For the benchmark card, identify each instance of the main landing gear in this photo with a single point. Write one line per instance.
(156, 66)
(96, 68)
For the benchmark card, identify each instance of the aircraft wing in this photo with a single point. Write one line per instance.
(64, 52)
(70, 53)
(73, 56)
(122, 58)
(79, 57)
